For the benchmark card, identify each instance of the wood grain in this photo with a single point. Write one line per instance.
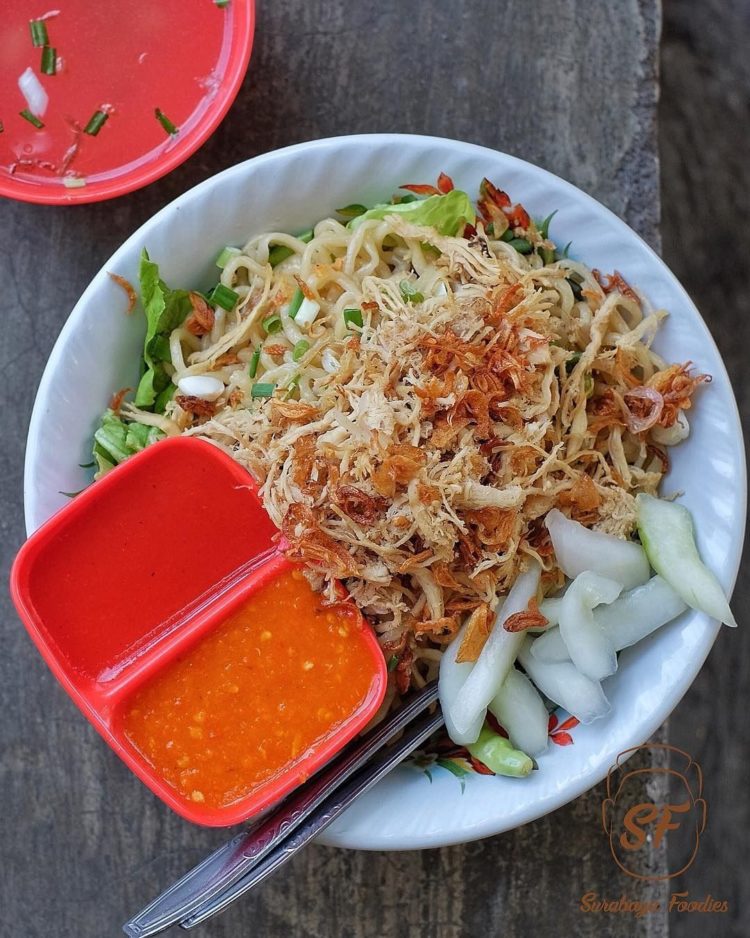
(570, 85)
(705, 113)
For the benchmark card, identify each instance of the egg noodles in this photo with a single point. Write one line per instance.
(415, 387)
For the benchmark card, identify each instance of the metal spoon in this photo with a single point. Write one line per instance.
(214, 875)
(322, 817)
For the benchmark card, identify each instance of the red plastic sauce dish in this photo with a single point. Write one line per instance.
(162, 601)
(114, 94)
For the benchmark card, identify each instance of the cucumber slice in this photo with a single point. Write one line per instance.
(579, 549)
(666, 531)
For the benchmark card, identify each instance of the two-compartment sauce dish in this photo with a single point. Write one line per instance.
(163, 602)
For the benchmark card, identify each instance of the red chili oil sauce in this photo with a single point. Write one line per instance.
(158, 546)
(252, 697)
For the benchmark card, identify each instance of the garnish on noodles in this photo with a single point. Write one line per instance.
(437, 381)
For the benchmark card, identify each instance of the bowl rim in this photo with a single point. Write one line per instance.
(243, 26)
(590, 774)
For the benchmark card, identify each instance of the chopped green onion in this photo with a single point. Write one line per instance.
(575, 286)
(224, 297)
(307, 313)
(280, 252)
(252, 369)
(564, 253)
(292, 386)
(262, 390)
(74, 182)
(226, 255)
(49, 60)
(95, 124)
(31, 118)
(353, 317)
(165, 121)
(392, 662)
(272, 324)
(352, 211)
(409, 292)
(547, 255)
(300, 349)
(544, 225)
(507, 235)
(297, 298)
(403, 199)
(39, 35)
(521, 245)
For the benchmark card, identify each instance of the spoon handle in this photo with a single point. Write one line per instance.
(322, 817)
(232, 860)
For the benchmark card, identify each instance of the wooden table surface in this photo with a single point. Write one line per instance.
(568, 84)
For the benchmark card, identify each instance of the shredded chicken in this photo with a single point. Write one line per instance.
(415, 457)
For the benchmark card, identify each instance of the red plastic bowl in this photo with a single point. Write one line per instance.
(185, 57)
(115, 586)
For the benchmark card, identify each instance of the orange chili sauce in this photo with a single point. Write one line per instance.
(250, 698)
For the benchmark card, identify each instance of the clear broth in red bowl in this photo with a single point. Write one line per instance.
(184, 58)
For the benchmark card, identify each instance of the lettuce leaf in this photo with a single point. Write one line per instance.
(165, 310)
(446, 213)
(115, 439)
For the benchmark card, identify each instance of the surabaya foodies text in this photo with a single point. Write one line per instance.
(678, 902)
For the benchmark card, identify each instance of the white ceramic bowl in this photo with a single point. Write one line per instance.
(98, 351)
